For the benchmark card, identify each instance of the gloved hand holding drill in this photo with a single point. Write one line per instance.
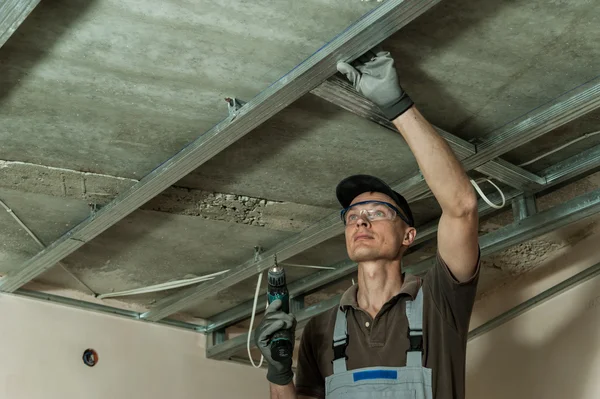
(279, 372)
(374, 76)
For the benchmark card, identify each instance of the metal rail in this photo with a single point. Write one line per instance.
(525, 229)
(537, 300)
(342, 94)
(585, 161)
(95, 307)
(524, 206)
(534, 124)
(566, 108)
(12, 15)
(517, 232)
(368, 31)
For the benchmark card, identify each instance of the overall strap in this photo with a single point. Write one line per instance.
(414, 313)
(340, 342)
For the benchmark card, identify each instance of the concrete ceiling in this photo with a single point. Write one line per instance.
(95, 95)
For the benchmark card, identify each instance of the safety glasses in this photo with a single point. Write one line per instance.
(373, 210)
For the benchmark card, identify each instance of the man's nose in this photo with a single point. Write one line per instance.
(362, 220)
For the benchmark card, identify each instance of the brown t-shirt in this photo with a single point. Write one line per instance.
(447, 306)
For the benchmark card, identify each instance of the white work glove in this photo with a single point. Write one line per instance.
(374, 76)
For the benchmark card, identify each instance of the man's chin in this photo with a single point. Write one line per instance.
(363, 255)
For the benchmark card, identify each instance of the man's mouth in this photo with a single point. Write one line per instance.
(359, 237)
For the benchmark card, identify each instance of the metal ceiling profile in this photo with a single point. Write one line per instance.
(367, 32)
(568, 107)
(530, 227)
(532, 125)
(583, 162)
(524, 206)
(537, 300)
(96, 307)
(343, 95)
(12, 15)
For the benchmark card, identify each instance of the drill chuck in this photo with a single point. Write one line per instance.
(276, 279)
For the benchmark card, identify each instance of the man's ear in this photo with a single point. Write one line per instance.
(409, 236)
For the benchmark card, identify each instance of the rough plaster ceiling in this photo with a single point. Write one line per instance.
(118, 87)
(94, 96)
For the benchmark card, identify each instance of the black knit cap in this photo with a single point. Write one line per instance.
(353, 186)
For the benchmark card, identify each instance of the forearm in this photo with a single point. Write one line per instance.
(283, 391)
(441, 169)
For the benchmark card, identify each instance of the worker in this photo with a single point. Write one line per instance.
(393, 335)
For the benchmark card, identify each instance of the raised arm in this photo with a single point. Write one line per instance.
(374, 76)
(445, 176)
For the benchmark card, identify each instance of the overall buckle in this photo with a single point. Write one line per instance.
(339, 348)
(416, 341)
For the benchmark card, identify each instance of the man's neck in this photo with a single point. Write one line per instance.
(378, 282)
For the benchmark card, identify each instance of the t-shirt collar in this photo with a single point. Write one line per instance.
(410, 287)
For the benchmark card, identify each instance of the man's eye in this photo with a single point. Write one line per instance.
(380, 214)
(351, 217)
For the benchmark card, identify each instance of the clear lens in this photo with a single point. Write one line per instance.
(374, 211)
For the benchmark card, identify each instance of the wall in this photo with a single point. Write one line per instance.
(41, 345)
(553, 350)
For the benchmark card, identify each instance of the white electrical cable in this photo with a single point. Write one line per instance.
(311, 266)
(483, 196)
(41, 244)
(181, 283)
(476, 186)
(252, 322)
(585, 136)
(163, 286)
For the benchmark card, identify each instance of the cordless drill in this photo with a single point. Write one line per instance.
(281, 341)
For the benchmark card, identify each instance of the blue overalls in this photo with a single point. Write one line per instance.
(411, 382)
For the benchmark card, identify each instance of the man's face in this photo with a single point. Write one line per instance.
(374, 240)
